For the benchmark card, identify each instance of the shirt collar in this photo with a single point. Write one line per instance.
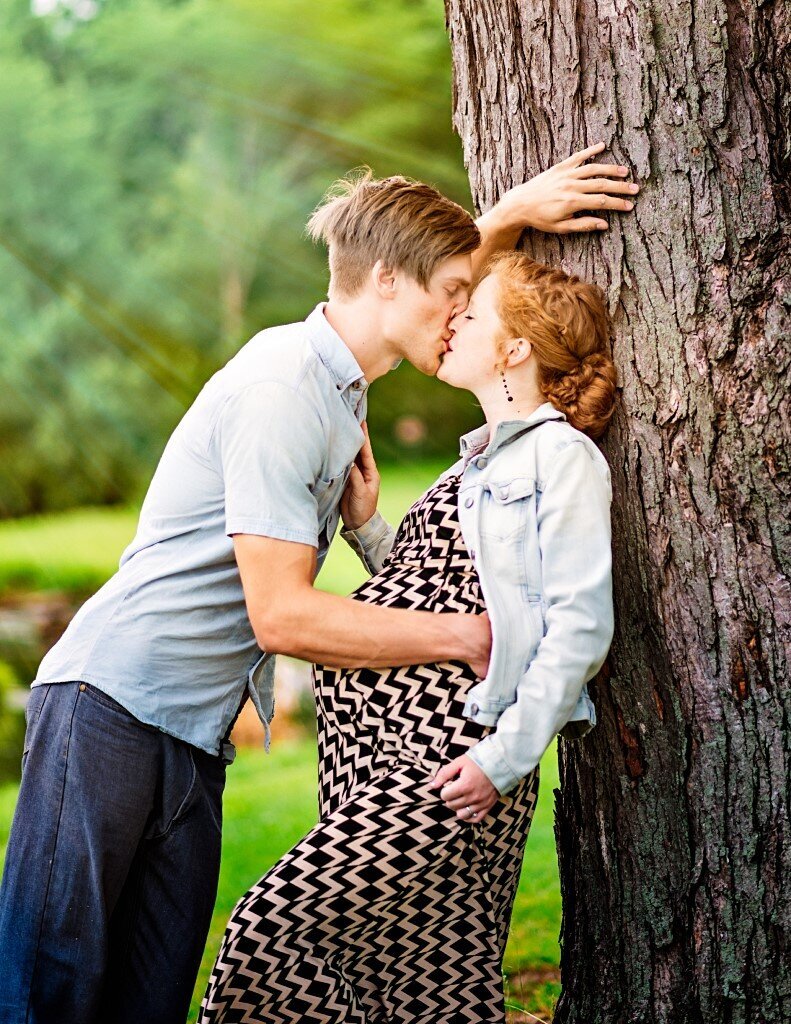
(333, 350)
(471, 443)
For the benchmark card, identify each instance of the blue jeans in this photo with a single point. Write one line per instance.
(111, 869)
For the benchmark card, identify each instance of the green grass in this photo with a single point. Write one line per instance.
(73, 551)
(78, 551)
(270, 803)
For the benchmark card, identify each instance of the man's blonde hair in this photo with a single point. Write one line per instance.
(406, 224)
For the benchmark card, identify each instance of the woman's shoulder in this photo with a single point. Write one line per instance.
(552, 437)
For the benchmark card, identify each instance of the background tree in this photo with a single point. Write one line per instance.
(160, 160)
(672, 822)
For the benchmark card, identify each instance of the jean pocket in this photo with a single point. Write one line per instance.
(33, 708)
(97, 696)
(181, 791)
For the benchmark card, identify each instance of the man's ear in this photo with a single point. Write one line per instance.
(384, 280)
(517, 350)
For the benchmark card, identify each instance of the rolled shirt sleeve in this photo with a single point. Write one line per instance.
(371, 542)
(574, 537)
(271, 450)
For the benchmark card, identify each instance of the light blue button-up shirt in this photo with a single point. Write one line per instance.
(265, 449)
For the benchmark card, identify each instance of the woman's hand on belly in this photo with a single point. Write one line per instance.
(466, 789)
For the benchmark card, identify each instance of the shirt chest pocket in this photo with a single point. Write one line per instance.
(509, 509)
(327, 493)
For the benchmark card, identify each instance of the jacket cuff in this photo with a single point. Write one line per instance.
(371, 542)
(490, 758)
(576, 729)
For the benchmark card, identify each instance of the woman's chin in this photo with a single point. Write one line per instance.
(445, 373)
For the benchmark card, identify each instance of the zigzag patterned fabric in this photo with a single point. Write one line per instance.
(391, 909)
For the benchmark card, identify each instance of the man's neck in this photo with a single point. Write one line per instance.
(355, 324)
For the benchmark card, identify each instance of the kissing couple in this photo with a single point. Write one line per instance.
(439, 682)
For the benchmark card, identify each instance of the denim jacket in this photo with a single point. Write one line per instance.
(534, 512)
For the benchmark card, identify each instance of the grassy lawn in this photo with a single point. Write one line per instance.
(270, 803)
(79, 550)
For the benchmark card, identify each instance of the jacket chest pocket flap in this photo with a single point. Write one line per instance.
(510, 507)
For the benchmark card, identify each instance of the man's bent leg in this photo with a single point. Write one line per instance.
(159, 929)
(88, 783)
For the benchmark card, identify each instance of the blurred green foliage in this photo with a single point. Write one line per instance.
(12, 724)
(159, 162)
(76, 552)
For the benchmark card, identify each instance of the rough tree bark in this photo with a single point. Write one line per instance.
(672, 823)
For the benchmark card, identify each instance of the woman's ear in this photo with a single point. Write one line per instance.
(517, 351)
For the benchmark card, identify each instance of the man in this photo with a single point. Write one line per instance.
(112, 864)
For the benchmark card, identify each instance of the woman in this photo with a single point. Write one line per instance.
(396, 906)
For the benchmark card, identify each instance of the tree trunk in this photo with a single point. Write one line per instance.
(672, 823)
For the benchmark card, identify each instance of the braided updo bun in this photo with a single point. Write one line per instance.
(586, 394)
(565, 320)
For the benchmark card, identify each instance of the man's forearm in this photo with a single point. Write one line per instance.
(343, 633)
(498, 233)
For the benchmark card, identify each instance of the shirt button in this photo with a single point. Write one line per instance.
(474, 709)
(469, 502)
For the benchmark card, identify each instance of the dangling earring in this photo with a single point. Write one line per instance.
(505, 385)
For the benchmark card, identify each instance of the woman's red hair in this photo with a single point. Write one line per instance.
(565, 320)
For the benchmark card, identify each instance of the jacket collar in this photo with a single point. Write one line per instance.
(333, 350)
(473, 442)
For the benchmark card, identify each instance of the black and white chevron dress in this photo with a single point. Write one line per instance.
(391, 909)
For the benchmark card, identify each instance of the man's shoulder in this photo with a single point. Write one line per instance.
(277, 359)
(282, 354)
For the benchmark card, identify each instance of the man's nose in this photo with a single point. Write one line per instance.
(461, 304)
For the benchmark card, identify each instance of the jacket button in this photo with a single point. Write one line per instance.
(482, 463)
(474, 709)
(469, 502)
